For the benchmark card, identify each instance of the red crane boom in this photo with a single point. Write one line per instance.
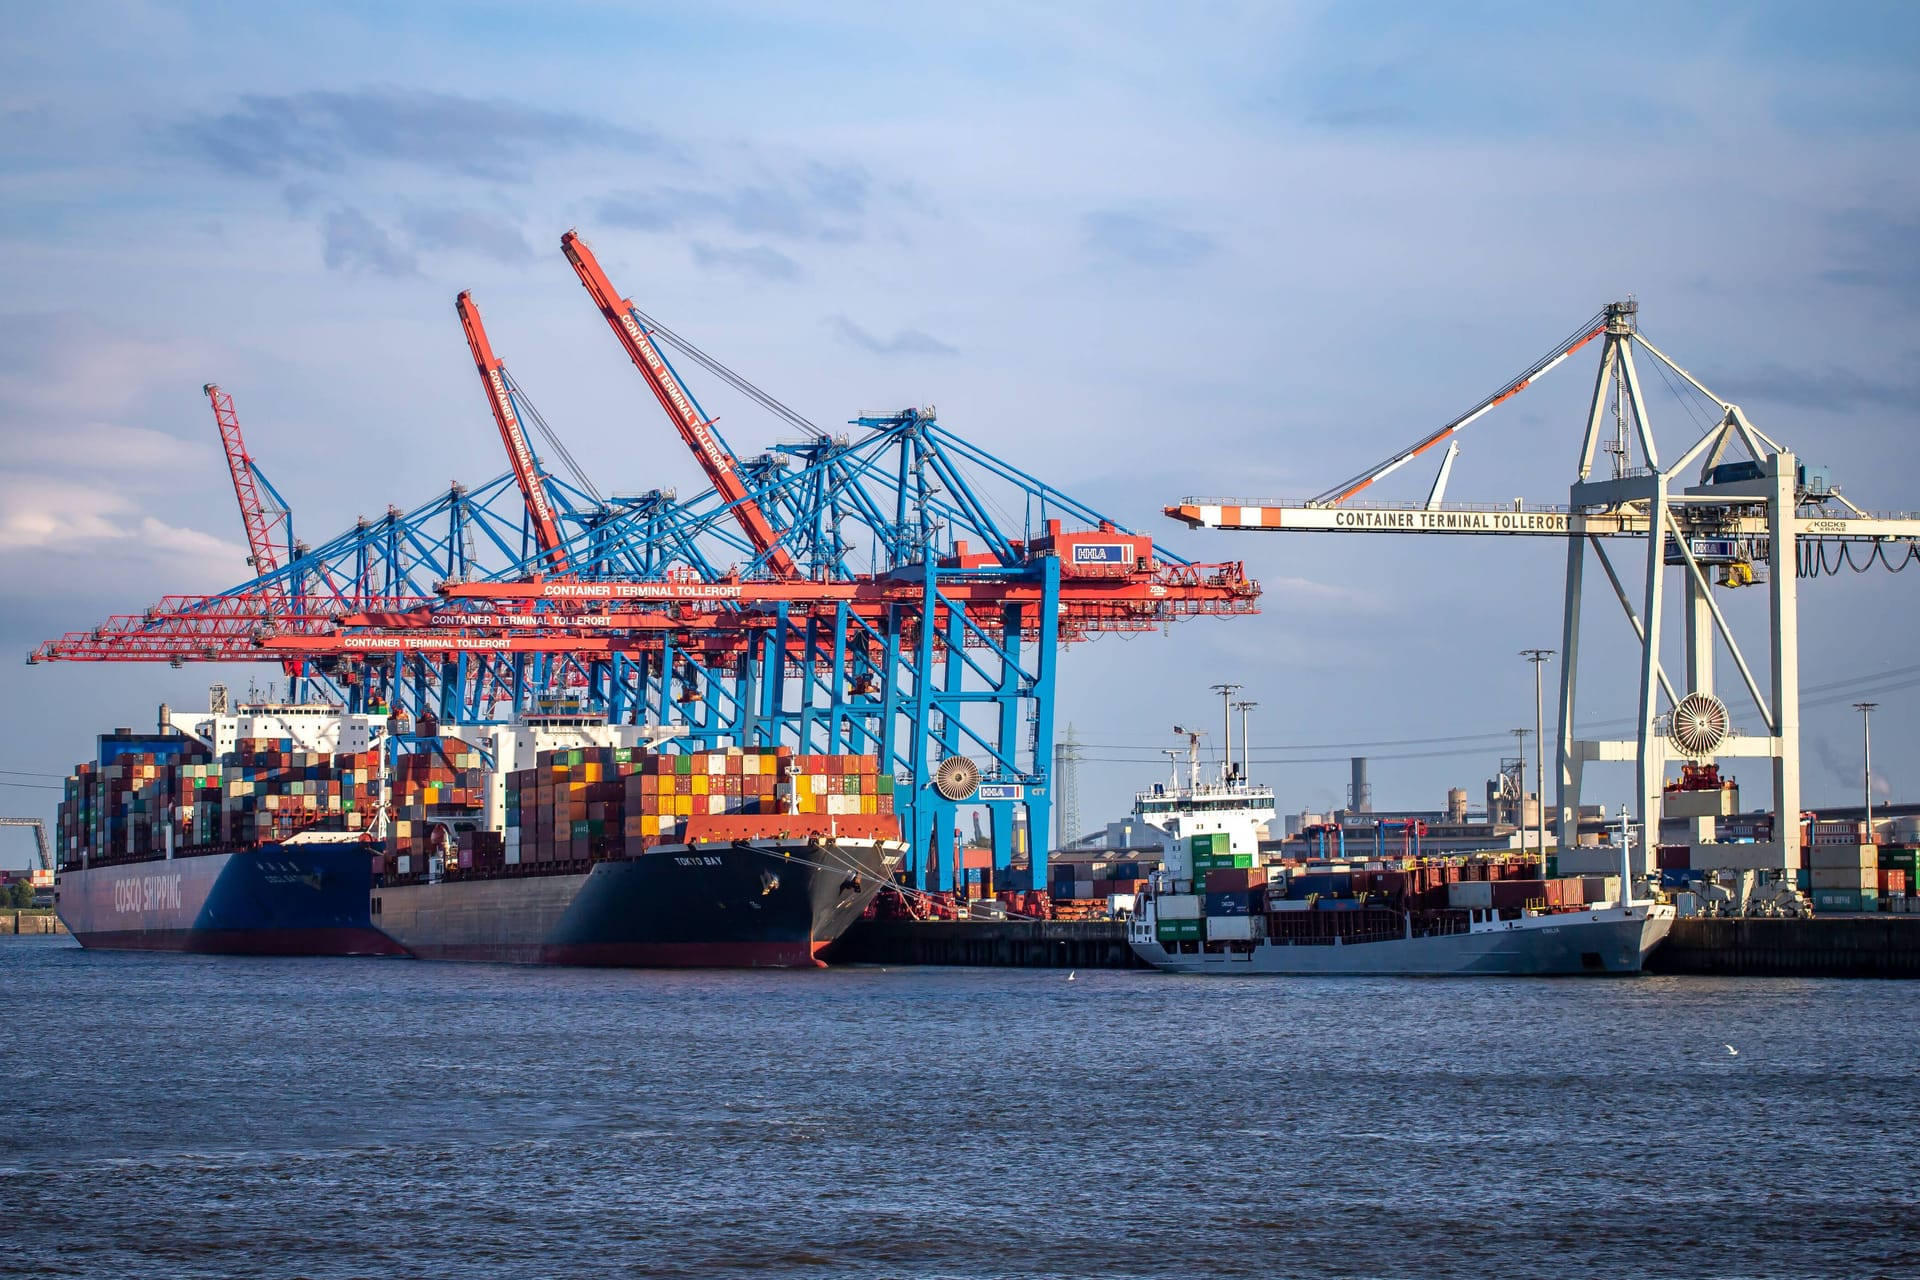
(261, 521)
(715, 459)
(533, 486)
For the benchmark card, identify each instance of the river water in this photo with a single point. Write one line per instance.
(208, 1116)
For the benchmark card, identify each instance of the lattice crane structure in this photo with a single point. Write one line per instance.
(895, 590)
(1735, 508)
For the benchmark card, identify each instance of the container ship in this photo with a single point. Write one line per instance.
(610, 855)
(610, 849)
(248, 839)
(1214, 906)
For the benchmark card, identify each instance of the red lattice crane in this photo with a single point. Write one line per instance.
(526, 472)
(261, 518)
(721, 467)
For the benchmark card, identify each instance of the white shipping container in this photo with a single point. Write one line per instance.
(1863, 857)
(1118, 902)
(1235, 928)
(404, 864)
(513, 855)
(1470, 895)
(1856, 878)
(1179, 906)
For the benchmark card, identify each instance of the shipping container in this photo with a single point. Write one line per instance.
(1178, 906)
(1235, 928)
(1844, 900)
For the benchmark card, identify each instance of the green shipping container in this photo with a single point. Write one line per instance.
(1846, 900)
(579, 830)
(683, 764)
(886, 784)
(1175, 930)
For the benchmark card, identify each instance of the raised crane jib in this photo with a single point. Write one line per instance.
(1579, 338)
(526, 471)
(259, 516)
(694, 427)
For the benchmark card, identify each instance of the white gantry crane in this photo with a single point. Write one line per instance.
(1735, 509)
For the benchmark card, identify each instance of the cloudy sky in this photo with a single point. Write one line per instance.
(1141, 251)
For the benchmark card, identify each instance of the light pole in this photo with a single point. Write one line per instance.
(1537, 657)
(1866, 756)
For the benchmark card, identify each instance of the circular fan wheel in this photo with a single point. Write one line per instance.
(956, 778)
(1700, 724)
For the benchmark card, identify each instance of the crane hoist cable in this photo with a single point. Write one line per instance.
(728, 376)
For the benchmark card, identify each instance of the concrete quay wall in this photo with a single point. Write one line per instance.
(1835, 946)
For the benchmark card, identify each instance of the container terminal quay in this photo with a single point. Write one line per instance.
(526, 721)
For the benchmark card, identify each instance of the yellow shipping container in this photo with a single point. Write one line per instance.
(699, 784)
(682, 806)
(590, 772)
(649, 824)
(869, 804)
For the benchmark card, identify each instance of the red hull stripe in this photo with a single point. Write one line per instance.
(249, 942)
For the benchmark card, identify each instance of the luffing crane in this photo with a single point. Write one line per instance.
(694, 426)
(513, 434)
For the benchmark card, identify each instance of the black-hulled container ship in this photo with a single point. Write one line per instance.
(624, 855)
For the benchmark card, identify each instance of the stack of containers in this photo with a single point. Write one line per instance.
(141, 803)
(270, 791)
(1098, 879)
(445, 784)
(588, 803)
(1213, 851)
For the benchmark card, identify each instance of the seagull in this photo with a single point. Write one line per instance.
(1732, 1052)
(1070, 974)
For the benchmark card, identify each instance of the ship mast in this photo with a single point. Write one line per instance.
(1226, 692)
(1193, 758)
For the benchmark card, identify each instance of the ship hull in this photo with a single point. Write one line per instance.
(1612, 941)
(746, 904)
(289, 900)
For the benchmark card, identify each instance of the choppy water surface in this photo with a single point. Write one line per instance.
(207, 1116)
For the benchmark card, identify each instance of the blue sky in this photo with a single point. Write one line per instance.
(1140, 252)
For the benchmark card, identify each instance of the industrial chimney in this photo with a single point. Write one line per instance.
(1361, 799)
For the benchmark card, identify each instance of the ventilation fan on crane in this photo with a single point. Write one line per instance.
(1700, 724)
(956, 778)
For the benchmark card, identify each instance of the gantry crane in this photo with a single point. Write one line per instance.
(746, 610)
(1736, 508)
(39, 838)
